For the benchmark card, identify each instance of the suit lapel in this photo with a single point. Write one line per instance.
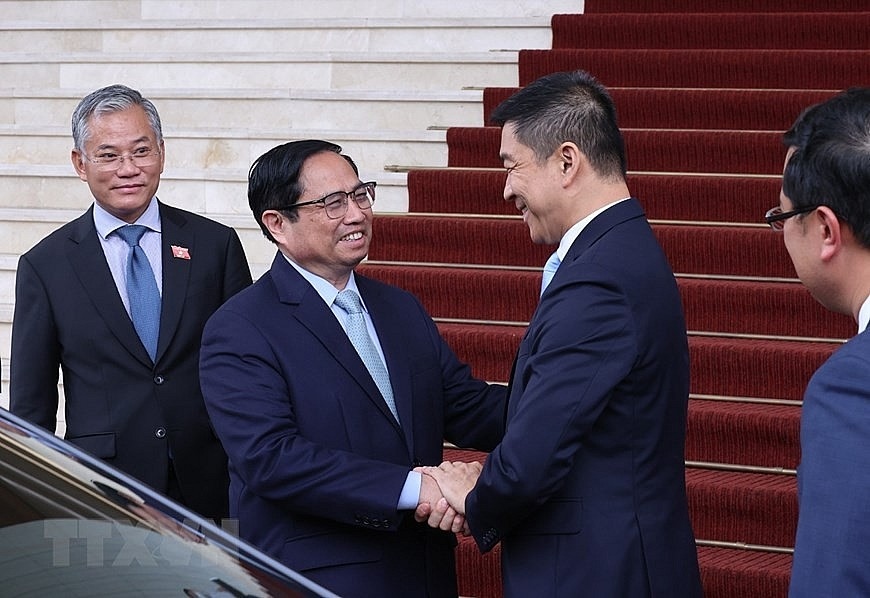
(392, 343)
(598, 227)
(176, 273)
(601, 225)
(89, 264)
(312, 313)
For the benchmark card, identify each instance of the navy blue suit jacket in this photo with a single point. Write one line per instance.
(587, 490)
(121, 406)
(317, 461)
(831, 556)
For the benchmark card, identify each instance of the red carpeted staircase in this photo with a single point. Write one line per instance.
(704, 92)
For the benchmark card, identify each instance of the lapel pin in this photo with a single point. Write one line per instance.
(180, 252)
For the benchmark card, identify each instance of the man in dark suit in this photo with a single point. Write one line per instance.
(586, 492)
(824, 215)
(132, 394)
(325, 408)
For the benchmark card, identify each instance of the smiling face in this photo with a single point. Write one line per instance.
(534, 187)
(329, 248)
(126, 192)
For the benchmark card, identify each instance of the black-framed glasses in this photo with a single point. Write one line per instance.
(108, 161)
(776, 218)
(335, 203)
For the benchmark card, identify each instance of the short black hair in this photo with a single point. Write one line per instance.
(273, 180)
(567, 106)
(830, 164)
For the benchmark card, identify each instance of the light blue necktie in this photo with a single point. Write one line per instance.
(350, 302)
(141, 289)
(550, 270)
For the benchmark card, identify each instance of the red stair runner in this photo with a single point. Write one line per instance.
(704, 91)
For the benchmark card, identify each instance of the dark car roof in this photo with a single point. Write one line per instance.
(71, 524)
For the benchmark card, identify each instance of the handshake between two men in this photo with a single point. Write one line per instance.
(442, 494)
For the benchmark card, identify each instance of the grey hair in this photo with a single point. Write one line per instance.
(107, 100)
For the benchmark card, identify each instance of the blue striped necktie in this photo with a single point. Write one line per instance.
(358, 333)
(142, 289)
(550, 270)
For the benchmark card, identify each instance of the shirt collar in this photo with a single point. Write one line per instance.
(572, 233)
(323, 287)
(864, 315)
(106, 223)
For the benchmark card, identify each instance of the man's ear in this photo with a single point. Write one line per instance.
(571, 162)
(832, 231)
(78, 162)
(273, 220)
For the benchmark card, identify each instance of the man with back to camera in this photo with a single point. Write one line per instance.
(824, 216)
(327, 388)
(586, 492)
(117, 299)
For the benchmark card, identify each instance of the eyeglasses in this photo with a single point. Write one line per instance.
(336, 203)
(776, 218)
(141, 157)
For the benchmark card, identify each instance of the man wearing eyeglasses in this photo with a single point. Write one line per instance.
(328, 388)
(117, 299)
(824, 216)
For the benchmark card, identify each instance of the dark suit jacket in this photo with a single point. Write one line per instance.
(317, 461)
(587, 490)
(120, 406)
(831, 555)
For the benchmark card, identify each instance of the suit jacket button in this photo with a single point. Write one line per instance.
(160, 432)
(158, 380)
(418, 463)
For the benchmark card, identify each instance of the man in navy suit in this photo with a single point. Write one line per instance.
(140, 411)
(321, 456)
(824, 215)
(586, 492)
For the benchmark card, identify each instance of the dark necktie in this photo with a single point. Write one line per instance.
(350, 302)
(141, 289)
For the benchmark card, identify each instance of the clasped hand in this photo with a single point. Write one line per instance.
(443, 492)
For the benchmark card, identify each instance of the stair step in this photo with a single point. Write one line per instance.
(722, 6)
(726, 109)
(731, 572)
(765, 308)
(749, 508)
(725, 572)
(740, 433)
(827, 31)
(728, 432)
(742, 367)
(478, 575)
(650, 150)
(746, 367)
(273, 68)
(729, 199)
(401, 112)
(289, 34)
(81, 12)
(707, 250)
(760, 69)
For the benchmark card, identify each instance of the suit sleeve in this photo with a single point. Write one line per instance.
(35, 356)
(582, 343)
(834, 518)
(249, 402)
